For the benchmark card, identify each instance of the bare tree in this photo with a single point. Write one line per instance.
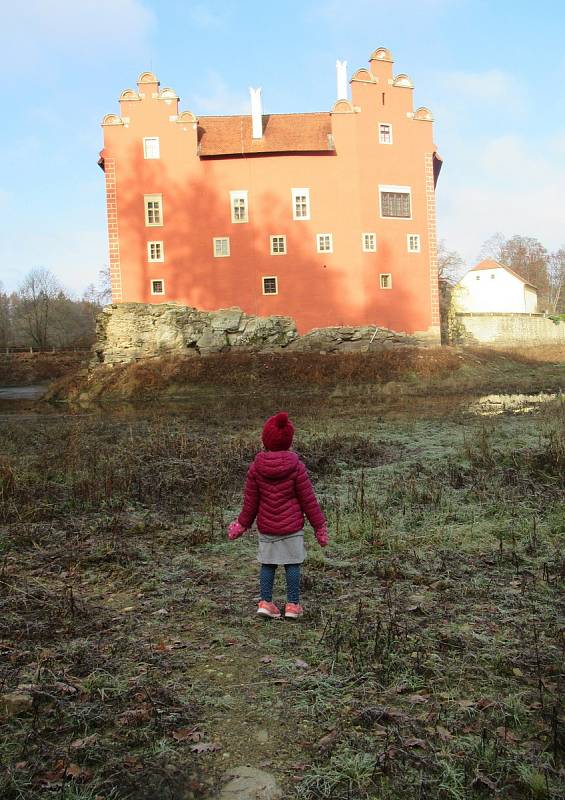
(492, 247)
(556, 275)
(100, 294)
(450, 265)
(37, 298)
(6, 322)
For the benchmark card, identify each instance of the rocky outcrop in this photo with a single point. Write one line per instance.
(131, 331)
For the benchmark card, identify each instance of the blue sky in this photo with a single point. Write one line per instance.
(491, 72)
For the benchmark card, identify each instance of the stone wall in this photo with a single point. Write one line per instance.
(130, 331)
(509, 329)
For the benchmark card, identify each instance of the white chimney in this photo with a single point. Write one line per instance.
(256, 114)
(341, 69)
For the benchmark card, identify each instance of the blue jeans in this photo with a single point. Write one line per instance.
(267, 578)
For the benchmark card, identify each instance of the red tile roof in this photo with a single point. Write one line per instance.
(282, 133)
(489, 263)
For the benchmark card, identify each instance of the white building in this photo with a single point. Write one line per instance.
(492, 287)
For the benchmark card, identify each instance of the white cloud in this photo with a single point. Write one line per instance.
(493, 86)
(205, 18)
(219, 98)
(510, 186)
(82, 28)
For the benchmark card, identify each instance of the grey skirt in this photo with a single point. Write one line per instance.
(286, 549)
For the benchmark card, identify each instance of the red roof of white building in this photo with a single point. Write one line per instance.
(489, 263)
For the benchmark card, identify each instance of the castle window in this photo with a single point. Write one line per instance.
(395, 201)
(301, 203)
(158, 287)
(151, 147)
(385, 280)
(153, 209)
(369, 241)
(221, 246)
(385, 133)
(155, 251)
(239, 208)
(413, 242)
(278, 245)
(270, 286)
(324, 243)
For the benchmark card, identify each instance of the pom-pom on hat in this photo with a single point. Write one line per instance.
(278, 432)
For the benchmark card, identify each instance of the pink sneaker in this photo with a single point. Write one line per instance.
(293, 610)
(268, 609)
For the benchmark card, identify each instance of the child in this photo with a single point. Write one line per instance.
(279, 493)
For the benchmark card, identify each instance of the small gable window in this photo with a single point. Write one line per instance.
(385, 280)
(151, 148)
(385, 133)
(158, 287)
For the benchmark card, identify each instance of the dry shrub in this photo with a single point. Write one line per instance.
(24, 369)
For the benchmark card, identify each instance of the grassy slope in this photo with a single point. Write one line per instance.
(429, 663)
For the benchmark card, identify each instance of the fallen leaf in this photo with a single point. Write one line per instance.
(443, 733)
(302, 664)
(506, 734)
(188, 735)
(205, 747)
(327, 742)
(482, 780)
(80, 774)
(417, 698)
(128, 608)
(80, 744)
(266, 660)
(485, 703)
(465, 703)
(132, 763)
(517, 672)
(135, 716)
(413, 741)
(161, 647)
(21, 764)
(65, 688)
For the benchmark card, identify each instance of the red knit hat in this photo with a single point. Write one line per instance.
(278, 432)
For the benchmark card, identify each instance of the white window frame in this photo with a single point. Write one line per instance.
(385, 275)
(319, 249)
(272, 239)
(301, 193)
(269, 278)
(157, 294)
(216, 239)
(364, 246)
(151, 198)
(239, 194)
(397, 190)
(162, 249)
(147, 154)
(381, 139)
(410, 236)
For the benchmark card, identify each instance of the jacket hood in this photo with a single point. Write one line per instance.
(275, 464)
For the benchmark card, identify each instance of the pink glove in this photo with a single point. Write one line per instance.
(322, 536)
(235, 530)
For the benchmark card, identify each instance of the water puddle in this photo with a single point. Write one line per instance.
(491, 405)
(22, 392)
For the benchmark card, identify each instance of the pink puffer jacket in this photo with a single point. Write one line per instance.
(279, 493)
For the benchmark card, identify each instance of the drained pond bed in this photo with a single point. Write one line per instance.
(429, 662)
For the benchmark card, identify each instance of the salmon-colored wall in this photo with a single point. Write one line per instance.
(341, 288)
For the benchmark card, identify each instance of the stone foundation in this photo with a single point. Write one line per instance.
(131, 331)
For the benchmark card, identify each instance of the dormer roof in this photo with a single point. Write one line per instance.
(282, 133)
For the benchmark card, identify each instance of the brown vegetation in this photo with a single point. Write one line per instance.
(26, 369)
